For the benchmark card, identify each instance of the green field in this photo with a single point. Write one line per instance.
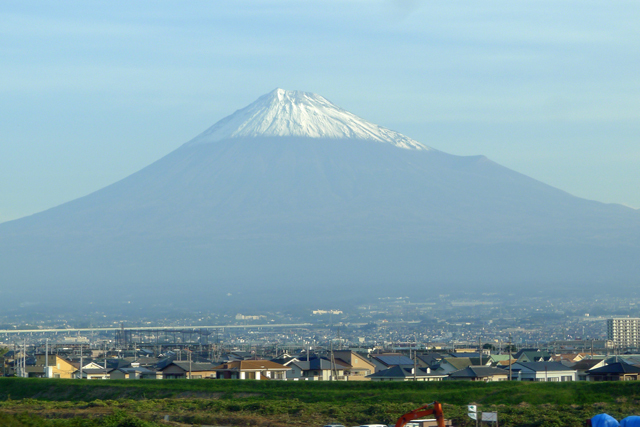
(272, 403)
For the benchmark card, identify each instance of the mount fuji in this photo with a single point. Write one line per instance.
(295, 199)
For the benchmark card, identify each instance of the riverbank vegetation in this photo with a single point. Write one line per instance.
(275, 403)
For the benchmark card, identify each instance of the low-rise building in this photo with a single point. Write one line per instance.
(480, 373)
(542, 371)
(359, 368)
(188, 370)
(138, 373)
(52, 366)
(618, 371)
(407, 373)
(251, 370)
(318, 369)
(386, 361)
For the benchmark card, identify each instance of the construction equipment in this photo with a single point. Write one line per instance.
(423, 411)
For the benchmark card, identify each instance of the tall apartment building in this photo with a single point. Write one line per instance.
(624, 332)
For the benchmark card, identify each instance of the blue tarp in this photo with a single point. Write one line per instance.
(604, 420)
(632, 421)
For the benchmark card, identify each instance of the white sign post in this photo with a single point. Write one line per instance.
(473, 413)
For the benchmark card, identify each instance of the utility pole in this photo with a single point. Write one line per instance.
(24, 360)
(105, 359)
(81, 360)
(480, 350)
(415, 358)
(46, 358)
(509, 357)
(333, 364)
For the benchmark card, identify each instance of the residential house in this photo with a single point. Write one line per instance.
(188, 370)
(567, 357)
(357, 367)
(406, 373)
(318, 369)
(449, 365)
(582, 367)
(93, 374)
(430, 360)
(251, 370)
(498, 359)
(386, 361)
(630, 359)
(58, 367)
(285, 359)
(532, 355)
(480, 373)
(471, 355)
(136, 373)
(113, 364)
(618, 371)
(92, 365)
(542, 371)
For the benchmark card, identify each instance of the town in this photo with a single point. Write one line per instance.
(483, 337)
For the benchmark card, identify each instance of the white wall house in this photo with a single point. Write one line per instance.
(542, 371)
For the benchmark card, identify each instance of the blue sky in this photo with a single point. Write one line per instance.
(91, 92)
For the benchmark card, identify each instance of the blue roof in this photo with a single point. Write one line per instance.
(543, 366)
(467, 355)
(404, 372)
(395, 360)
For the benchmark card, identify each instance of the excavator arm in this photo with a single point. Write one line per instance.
(423, 411)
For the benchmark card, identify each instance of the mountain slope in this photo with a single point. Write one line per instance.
(282, 215)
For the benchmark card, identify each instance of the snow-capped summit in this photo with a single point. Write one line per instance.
(282, 113)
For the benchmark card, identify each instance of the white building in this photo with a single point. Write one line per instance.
(624, 332)
(542, 371)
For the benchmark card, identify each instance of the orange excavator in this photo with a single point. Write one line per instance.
(434, 408)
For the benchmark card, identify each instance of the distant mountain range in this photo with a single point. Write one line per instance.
(295, 200)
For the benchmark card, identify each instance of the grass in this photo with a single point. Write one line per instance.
(276, 403)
